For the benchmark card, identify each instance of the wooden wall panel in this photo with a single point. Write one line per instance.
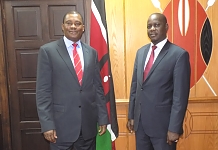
(211, 73)
(136, 15)
(200, 126)
(122, 141)
(131, 141)
(126, 140)
(127, 32)
(116, 31)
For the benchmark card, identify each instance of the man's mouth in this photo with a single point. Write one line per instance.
(73, 32)
(152, 35)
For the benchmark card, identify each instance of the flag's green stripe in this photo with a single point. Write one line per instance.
(104, 141)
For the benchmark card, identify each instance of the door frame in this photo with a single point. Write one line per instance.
(4, 89)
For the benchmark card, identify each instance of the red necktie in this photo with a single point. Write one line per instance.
(77, 64)
(150, 62)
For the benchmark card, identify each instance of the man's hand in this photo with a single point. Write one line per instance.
(50, 136)
(130, 125)
(172, 137)
(102, 129)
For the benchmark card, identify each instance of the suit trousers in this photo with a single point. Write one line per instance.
(145, 142)
(79, 144)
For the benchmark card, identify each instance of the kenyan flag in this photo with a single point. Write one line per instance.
(99, 41)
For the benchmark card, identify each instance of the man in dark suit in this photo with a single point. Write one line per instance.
(70, 108)
(159, 98)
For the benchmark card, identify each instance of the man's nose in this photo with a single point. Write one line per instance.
(73, 25)
(152, 28)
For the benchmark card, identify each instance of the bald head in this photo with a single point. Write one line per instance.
(157, 27)
(161, 17)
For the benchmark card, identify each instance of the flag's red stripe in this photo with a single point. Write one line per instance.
(96, 39)
(113, 145)
(97, 42)
(105, 72)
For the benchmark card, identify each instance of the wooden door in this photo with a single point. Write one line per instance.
(28, 25)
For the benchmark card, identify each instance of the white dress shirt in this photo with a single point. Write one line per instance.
(160, 45)
(70, 48)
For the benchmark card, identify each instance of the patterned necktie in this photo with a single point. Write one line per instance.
(150, 62)
(77, 64)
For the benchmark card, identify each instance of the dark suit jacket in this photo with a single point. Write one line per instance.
(62, 103)
(162, 98)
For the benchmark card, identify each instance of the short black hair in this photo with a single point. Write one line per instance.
(73, 12)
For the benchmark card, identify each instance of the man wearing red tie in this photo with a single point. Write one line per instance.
(159, 90)
(69, 93)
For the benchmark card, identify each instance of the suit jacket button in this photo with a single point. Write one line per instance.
(141, 89)
(80, 91)
(79, 106)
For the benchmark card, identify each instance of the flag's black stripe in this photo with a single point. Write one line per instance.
(110, 96)
(100, 4)
(103, 60)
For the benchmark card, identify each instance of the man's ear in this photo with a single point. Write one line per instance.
(62, 27)
(166, 26)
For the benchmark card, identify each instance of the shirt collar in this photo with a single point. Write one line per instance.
(69, 43)
(161, 44)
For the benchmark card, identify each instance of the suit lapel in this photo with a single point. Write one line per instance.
(86, 60)
(66, 58)
(142, 59)
(161, 55)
